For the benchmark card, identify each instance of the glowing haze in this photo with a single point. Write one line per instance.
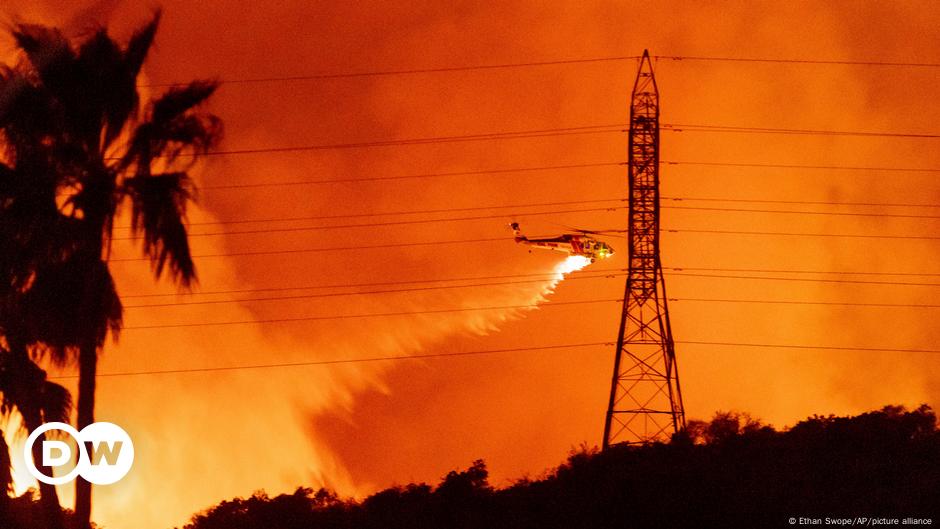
(205, 436)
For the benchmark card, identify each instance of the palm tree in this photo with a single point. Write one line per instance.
(70, 116)
(25, 389)
(6, 477)
(25, 221)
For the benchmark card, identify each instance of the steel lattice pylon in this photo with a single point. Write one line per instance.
(645, 398)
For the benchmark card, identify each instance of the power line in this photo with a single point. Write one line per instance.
(407, 177)
(809, 280)
(798, 61)
(613, 272)
(791, 271)
(518, 282)
(368, 292)
(552, 132)
(812, 347)
(407, 71)
(253, 185)
(800, 302)
(802, 202)
(784, 211)
(548, 275)
(799, 166)
(389, 223)
(674, 127)
(422, 356)
(402, 212)
(317, 250)
(481, 217)
(371, 315)
(540, 213)
(488, 136)
(795, 234)
(472, 309)
(504, 239)
(508, 206)
(499, 66)
(425, 356)
(569, 202)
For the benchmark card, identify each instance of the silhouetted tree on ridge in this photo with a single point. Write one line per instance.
(732, 471)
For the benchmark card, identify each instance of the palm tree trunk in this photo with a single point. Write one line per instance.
(6, 477)
(48, 496)
(32, 419)
(87, 367)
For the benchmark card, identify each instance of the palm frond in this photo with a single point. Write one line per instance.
(96, 199)
(69, 300)
(139, 45)
(26, 116)
(48, 51)
(108, 93)
(174, 126)
(11, 84)
(198, 133)
(158, 211)
(179, 100)
(55, 402)
(20, 385)
(25, 388)
(31, 228)
(58, 354)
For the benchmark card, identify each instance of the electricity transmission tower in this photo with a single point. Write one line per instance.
(645, 398)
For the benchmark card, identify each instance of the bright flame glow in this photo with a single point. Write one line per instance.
(173, 435)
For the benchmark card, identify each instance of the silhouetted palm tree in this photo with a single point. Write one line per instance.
(26, 220)
(25, 389)
(6, 477)
(82, 147)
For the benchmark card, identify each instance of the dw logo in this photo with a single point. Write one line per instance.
(111, 457)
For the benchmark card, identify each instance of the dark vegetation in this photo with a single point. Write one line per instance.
(729, 472)
(25, 512)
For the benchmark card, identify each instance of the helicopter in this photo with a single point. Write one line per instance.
(571, 243)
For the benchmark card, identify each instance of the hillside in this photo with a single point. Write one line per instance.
(729, 472)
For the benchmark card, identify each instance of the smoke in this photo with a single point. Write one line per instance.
(200, 437)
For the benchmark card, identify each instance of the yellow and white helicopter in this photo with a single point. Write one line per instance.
(577, 243)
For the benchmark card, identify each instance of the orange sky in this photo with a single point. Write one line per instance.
(205, 437)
